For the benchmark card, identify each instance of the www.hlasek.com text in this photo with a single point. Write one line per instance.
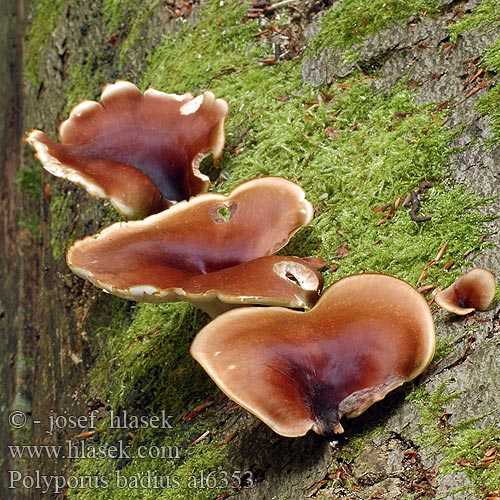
(79, 449)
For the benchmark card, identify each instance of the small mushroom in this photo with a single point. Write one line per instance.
(474, 290)
(301, 371)
(204, 251)
(139, 151)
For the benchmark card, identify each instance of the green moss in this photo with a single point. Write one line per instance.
(132, 37)
(460, 446)
(30, 222)
(184, 471)
(489, 104)
(145, 369)
(497, 295)
(432, 409)
(485, 17)
(151, 366)
(349, 22)
(117, 13)
(124, 20)
(486, 14)
(220, 43)
(373, 160)
(346, 458)
(29, 181)
(357, 151)
(444, 346)
(465, 451)
(45, 17)
(88, 71)
(354, 447)
(61, 224)
(65, 226)
(86, 80)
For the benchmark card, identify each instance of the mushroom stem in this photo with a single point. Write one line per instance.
(216, 307)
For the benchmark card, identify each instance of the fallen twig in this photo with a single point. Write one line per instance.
(200, 438)
(415, 207)
(434, 261)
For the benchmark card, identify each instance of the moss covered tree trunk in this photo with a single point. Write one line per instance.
(19, 249)
(358, 103)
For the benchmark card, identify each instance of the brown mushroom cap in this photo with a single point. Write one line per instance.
(474, 290)
(298, 371)
(139, 151)
(201, 250)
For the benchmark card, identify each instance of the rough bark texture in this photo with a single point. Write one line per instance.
(19, 251)
(45, 311)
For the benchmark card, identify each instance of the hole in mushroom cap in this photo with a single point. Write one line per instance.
(292, 278)
(297, 273)
(223, 212)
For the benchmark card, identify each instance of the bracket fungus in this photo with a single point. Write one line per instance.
(474, 290)
(301, 371)
(139, 151)
(214, 250)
